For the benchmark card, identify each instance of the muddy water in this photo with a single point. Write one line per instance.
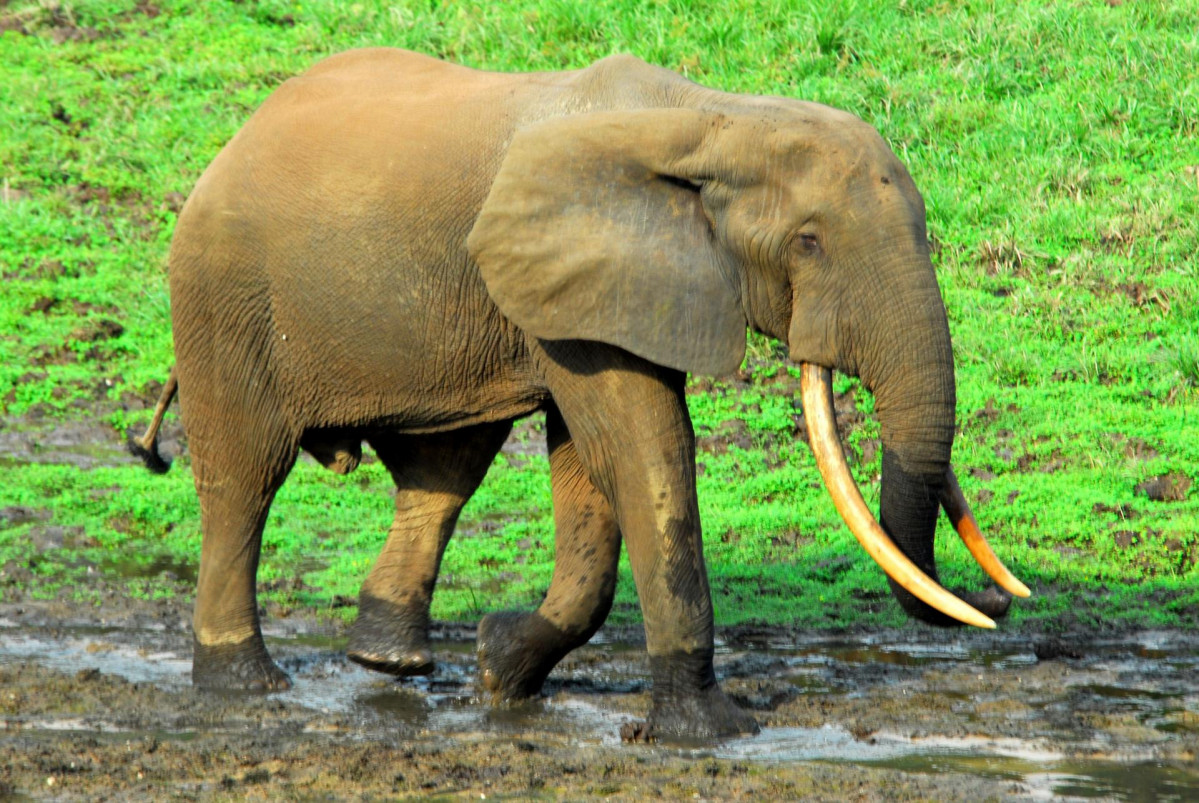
(82, 443)
(898, 714)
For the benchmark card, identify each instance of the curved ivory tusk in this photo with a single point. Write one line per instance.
(958, 511)
(816, 388)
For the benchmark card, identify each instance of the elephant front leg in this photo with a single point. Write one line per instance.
(435, 475)
(517, 649)
(666, 553)
(630, 423)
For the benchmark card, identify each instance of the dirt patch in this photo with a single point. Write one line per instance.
(528, 438)
(1172, 487)
(1138, 294)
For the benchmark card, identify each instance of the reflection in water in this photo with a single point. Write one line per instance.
(1143, 781)
(152, 566)
(398, 706)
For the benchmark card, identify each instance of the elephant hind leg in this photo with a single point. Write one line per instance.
(517, 650)
(240, 459)
(435, 475)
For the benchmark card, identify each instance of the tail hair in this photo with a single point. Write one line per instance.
(145, 446)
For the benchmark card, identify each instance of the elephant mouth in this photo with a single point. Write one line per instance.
(816, 389)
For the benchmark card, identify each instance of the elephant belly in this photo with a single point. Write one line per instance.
(391, 346)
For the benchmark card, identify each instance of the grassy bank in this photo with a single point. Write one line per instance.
(1058, 150)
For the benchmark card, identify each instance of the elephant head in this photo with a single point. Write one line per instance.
(665, 231)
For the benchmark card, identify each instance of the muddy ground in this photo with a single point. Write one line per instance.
(95, 707)
(97, 704)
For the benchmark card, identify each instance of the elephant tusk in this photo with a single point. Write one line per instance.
(958, 511)
(817, 392)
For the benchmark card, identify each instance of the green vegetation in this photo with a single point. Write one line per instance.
(1057, 146)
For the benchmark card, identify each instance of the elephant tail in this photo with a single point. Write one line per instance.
(145, 445)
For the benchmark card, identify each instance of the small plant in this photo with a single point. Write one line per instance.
(1186, 362)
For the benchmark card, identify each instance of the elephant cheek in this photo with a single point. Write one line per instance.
(811, 336)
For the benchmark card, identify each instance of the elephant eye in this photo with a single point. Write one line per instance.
(806, 244)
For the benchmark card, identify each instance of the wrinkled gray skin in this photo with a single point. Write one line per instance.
(412, 253)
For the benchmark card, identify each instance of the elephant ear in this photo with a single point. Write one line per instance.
(595, 230)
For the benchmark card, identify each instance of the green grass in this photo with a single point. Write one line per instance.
(1057, 146)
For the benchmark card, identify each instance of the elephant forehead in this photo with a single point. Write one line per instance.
(797, 157)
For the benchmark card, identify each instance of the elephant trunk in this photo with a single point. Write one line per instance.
(818, 410)
(917, 481)
(908, 510)
(907, 361)
(915, 400)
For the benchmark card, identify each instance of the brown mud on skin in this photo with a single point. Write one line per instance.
(96, 702)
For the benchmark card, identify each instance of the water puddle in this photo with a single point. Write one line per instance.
(834, 743)
(150, 566)
(1064, 778)
(82, 443)
(156, 658)
(1122, 723)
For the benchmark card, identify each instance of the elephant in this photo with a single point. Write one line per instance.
(412, 253)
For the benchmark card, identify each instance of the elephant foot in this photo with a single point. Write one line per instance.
(688, 702)
(236, 667)
(391, 638)
(517, 651)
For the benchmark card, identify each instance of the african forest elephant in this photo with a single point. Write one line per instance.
(413, 253)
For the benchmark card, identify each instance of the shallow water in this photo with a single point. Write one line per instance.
(1107, 726)
(82, 443)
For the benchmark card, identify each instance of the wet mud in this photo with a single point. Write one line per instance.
(93, 707)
